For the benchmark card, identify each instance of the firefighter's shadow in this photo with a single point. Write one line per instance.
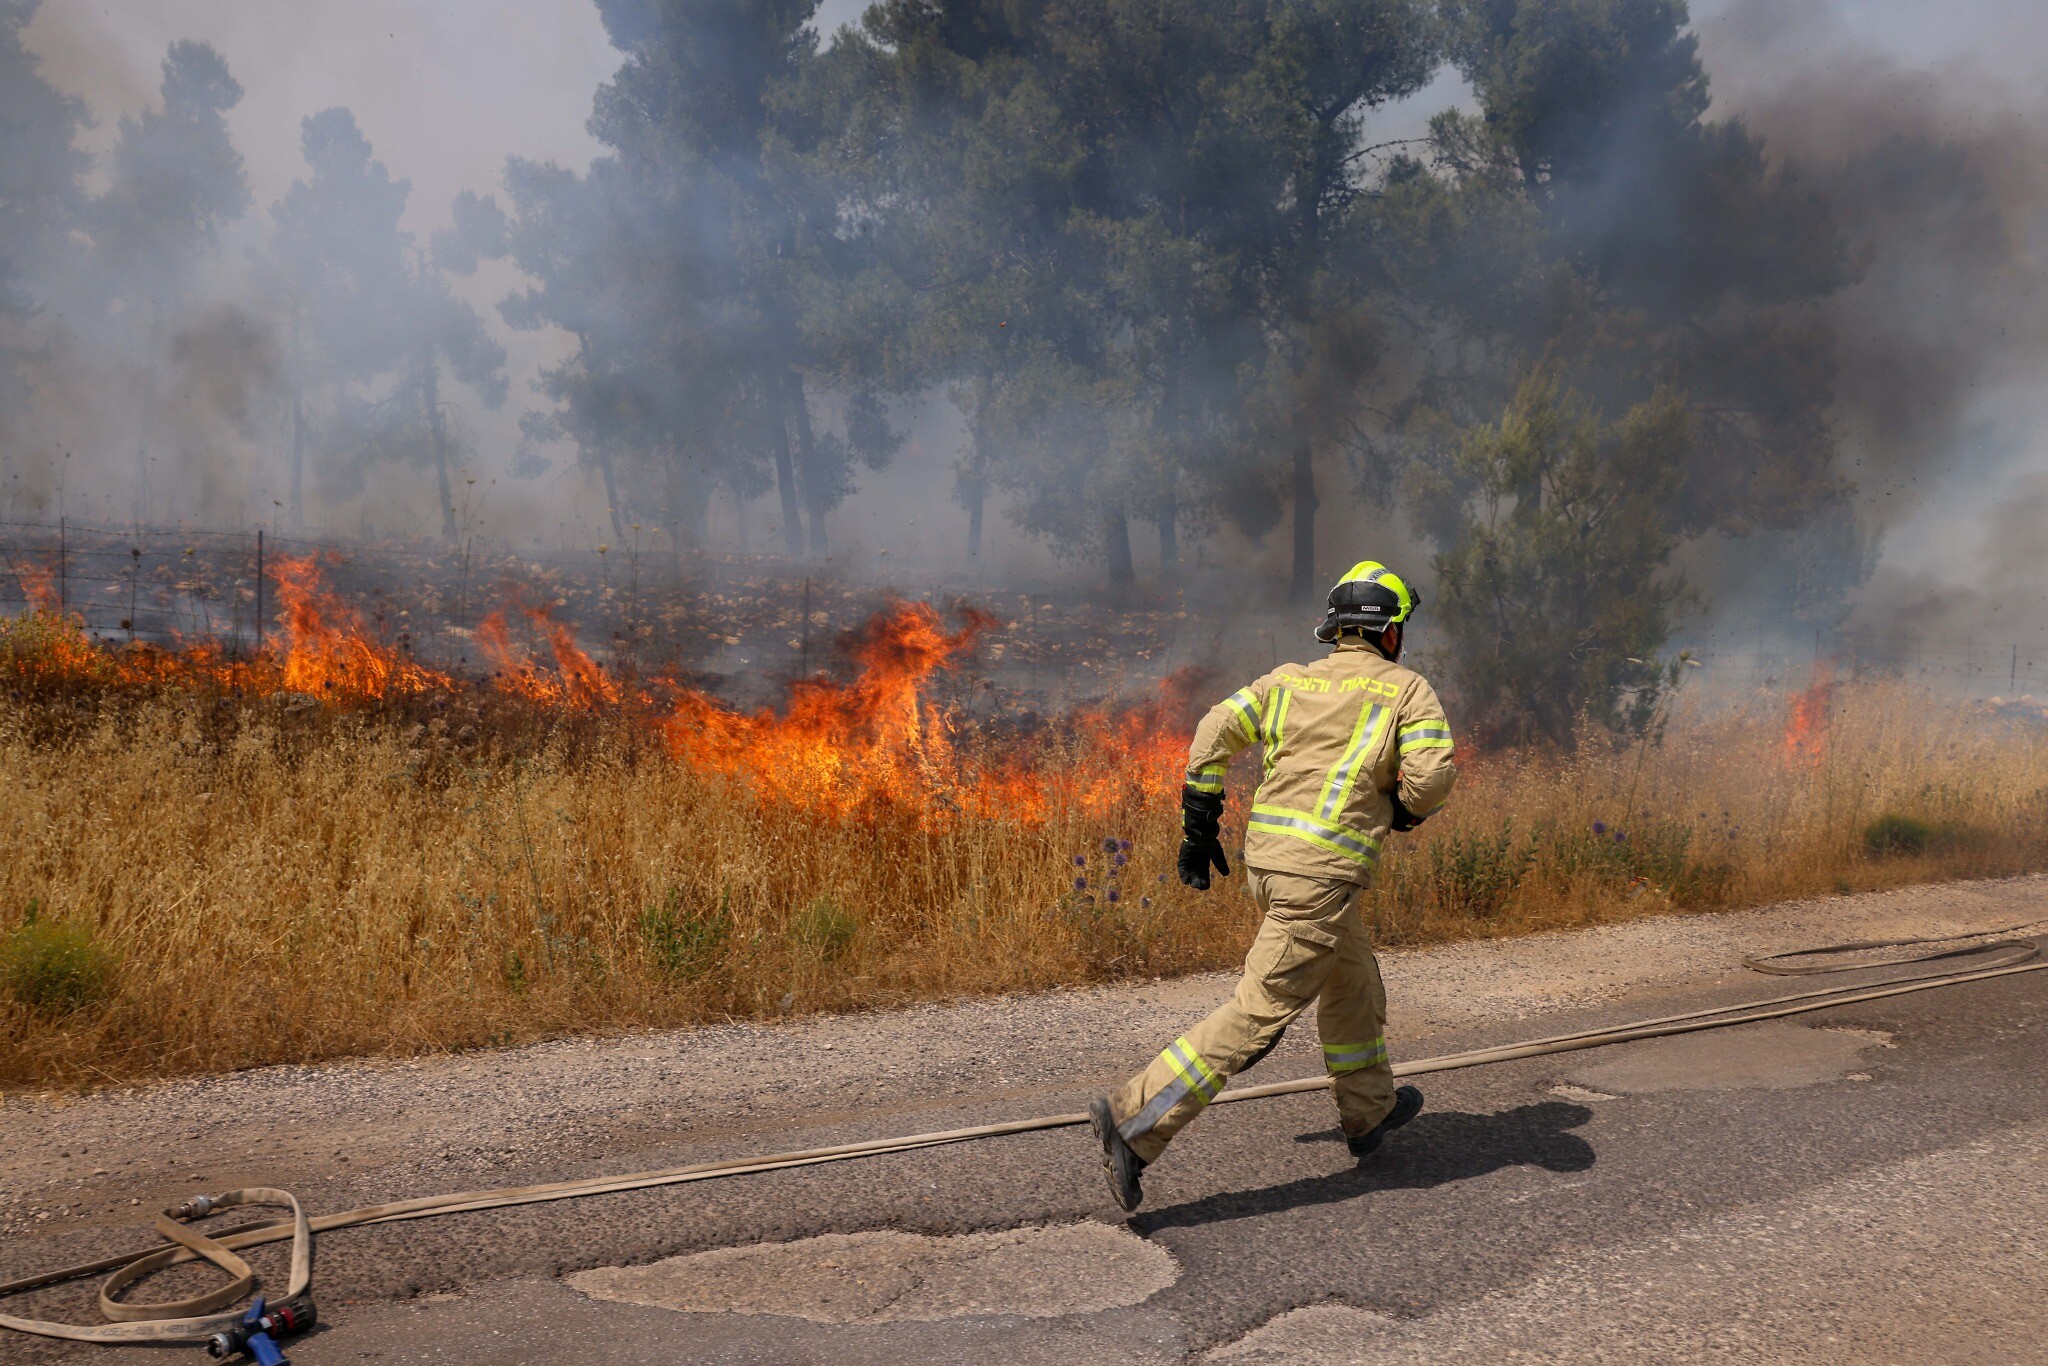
(1438, 1148)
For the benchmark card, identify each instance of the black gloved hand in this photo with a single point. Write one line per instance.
(1201, 845)
(1404, 819)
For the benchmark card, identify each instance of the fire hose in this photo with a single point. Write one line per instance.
(196, 1320)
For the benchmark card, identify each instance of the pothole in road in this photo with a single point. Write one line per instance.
(887, 1277)
(1770, 1055)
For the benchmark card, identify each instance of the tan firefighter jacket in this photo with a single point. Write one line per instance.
(1340, 735)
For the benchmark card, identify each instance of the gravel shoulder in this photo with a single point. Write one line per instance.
(359, 1131)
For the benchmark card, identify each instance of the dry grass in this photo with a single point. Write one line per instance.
(276, 884)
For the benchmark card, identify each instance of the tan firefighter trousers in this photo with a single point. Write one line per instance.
(1313, 943)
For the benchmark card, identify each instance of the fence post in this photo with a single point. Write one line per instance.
(259, 590)
(2014, 685)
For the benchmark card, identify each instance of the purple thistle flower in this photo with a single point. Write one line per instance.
(1120, 859)
(1080, 860)
(1124, 845)
(1080, 884)
(1599, 827)
(1621, 837)
(1109, 846)
(1110, 895)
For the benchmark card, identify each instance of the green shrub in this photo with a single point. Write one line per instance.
(681, 943)
(1894, 836)
(825, 928)
(55, 966)
(1475, 874)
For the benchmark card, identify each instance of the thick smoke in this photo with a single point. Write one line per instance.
(1937, 169)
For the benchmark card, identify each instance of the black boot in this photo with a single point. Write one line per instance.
(1120, 1166)
(1407, 1105)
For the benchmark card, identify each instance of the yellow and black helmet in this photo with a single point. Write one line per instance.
(1369, 598)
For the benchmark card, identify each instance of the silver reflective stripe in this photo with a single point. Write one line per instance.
(1339, 784)
(1349, 843)
(1187, 1064)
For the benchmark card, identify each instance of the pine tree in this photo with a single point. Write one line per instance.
(174, 180)
(41, 196)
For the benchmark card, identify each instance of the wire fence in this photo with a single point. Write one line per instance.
(1979, 667)
(165, 585)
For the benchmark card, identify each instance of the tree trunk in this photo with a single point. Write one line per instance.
(974, 487)
(1169, 537)
(611, 491)
(147, 434)
(813, 478)
(430, 399)
(975, 491)
(1302, 586)
(686, 501)
(1116, 536)
(298, 493)
(785, 479)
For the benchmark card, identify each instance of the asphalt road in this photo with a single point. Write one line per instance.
(1865, 1182)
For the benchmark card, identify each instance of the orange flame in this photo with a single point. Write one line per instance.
(39, 586)
(328, 654)
(1806, 729)
(877, 744)
(579, 681)
(841, 745)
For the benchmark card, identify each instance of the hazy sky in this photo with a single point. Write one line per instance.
(446, 89)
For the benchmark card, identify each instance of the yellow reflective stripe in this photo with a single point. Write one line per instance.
(1207, 778)
(1431, 733)
(1274, 729)
(1312, 829)
(1192, 1077)
(1345, 771)
(1351, 1057)
(1183, 1058)
(1242, 702)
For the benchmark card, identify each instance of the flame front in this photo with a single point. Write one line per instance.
(857, 750)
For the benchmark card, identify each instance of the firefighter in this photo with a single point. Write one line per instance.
(1355, 746)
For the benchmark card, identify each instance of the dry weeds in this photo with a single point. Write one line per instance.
(280, 881)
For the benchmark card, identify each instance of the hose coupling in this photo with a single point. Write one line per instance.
(198, 1207)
